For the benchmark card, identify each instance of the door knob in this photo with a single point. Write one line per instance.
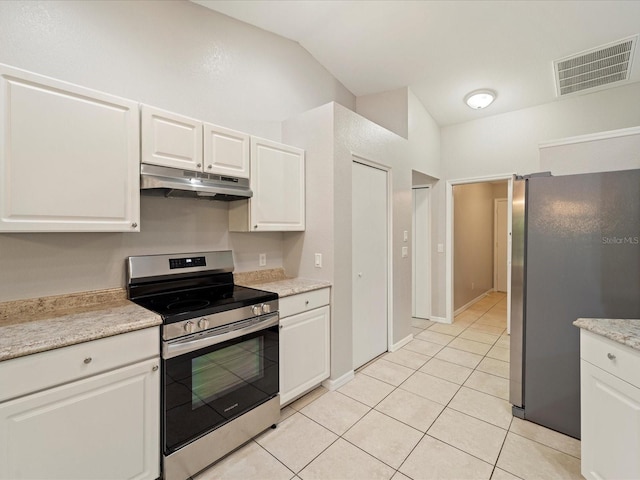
(359, 274)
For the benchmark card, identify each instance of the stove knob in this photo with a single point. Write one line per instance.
(189, 327)
(266, 308)
(203, 324)
(256, 310)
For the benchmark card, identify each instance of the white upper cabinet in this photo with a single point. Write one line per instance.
(278, 184)
(69, 157)
(171, 140)
(226, 152)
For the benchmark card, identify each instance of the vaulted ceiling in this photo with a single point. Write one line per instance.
(443, 50)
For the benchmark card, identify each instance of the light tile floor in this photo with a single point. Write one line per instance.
(435, 409)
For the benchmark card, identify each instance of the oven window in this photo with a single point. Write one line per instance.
(207, 388)
(215, 374)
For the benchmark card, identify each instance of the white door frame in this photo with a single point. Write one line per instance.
(495, 243)
(428, 248)
(387, 169)
(449, 239)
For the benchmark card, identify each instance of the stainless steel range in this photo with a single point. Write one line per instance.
(219, 355)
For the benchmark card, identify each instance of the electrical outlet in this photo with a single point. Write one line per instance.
(318, 260)
(263, 259)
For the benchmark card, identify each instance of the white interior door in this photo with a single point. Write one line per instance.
(501, 240)
(421, 254)
(370, 262)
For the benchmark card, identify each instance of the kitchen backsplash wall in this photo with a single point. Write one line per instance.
(174, 55)
(43, 264)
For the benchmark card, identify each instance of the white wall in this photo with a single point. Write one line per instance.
(508, 143)
(331, 136)
(424, 138)
(401, 112)
(608, 151)
(387, 109)
(175, 55)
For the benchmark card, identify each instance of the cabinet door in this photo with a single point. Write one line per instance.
(278, 184)
(69, 157)
(304, 352)
(171, 140)
(610, 423)
(105, 426)
(226, 152)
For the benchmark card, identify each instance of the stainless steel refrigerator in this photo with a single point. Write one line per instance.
(575, 253)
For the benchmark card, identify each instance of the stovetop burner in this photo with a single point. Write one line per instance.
(188, 304)
(187, 286)
(178, 306)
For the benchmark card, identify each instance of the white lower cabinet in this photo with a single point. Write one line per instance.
(102, 426)
(610, 409)
(304, 344)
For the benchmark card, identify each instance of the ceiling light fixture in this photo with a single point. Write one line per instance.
(480, 98)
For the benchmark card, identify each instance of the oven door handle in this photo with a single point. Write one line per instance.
(171, 350)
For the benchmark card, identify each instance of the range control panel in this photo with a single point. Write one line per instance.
(187, 262)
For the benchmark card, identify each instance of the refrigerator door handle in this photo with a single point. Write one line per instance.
(518, 298)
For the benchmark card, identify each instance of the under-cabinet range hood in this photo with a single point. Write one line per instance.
(176, 182)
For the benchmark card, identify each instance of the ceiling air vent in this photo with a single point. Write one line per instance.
(598, 68)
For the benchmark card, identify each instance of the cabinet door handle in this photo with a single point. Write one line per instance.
(611, 356)
(88, 360)
(155, 368)
(134, 225)
(306, 302)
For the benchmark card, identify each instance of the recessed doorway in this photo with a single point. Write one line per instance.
(471, 241)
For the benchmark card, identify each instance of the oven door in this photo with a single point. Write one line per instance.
(213, 377)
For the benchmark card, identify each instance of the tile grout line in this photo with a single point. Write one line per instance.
(458, 390)
(395, 387)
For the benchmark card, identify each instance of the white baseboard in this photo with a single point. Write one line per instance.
(438, 319)
(401, 343)
(334, 384)
(467, 305)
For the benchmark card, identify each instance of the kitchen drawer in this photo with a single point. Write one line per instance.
(23, 375)
(597, 350)
(302, 302)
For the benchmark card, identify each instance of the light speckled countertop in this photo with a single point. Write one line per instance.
(40, 324)
(36, 325)
(626, 332)
(275, 280)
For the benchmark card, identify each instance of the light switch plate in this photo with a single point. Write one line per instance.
(263, 259)
(405, 252)
(441, 248)
(318, 260)
(405, 236)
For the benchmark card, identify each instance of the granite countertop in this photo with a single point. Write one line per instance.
(626, 332)
(41, 324)
(275, 280)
